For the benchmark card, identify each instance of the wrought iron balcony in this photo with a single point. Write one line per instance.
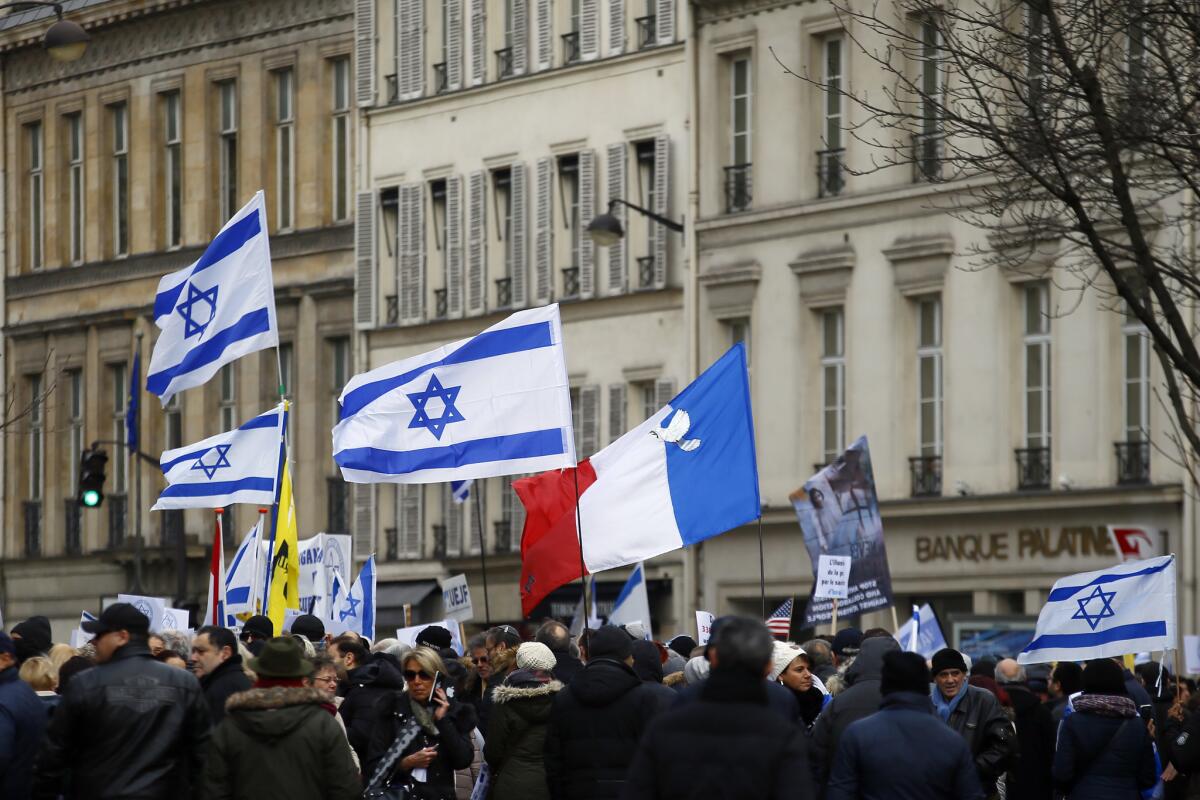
(392, 536)
(393, 88)
(1033, 467)
(171, 528)
(647, 31)
(393, 308)
(439, 541)
(117, 519)
(72, 526)
(738, 188)
(439, 304)
(33, 528)
(570, 283)
(645, 272)
(570, 42)
(503, 292)
(504, 63)
(928, 152)
(830, 178)
(441, 79)
(1133, 463)
(926, 474)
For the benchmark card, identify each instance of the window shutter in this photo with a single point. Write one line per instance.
(587, 210)
(476, 242)
(544, 244)
(478, 515)
(518, 240)
(364, 260)
(664, 391)
(409, 497)
(452, 518)
(545, 34)
(478, 42)
(662, 207)
(616, 27)
(454, 248)
(410, 63)
(589, 410)
(617, 262)
(589, 30)
(418, 267)
(406, 277)
(364, 51)
(364, 520)
(520, 40)
(454, 45)
(665, 21)
(616, 411)
(516, 513)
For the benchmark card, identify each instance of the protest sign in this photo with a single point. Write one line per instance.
(704, 622)
(153, 607)
(1191, 654)
(839, 515)
(833, 577)
(325, 549)
(456, 597)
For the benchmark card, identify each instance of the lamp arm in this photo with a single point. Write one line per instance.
(35, 3)
(661, 220)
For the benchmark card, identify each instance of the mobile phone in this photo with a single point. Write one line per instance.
(437, 680)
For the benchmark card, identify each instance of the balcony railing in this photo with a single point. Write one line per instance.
(392, 537)
(503, 292)
(737, 188)
(33, 528)
(441, 309)
(504, 62)
(830, 179)
(171, 528)
(926, 474)
(927, 156)
(1133, 463)
(439, 541)
(503, 533)
(1033, 468)
(570, 283)
(393, 88)
(645, 266)
(117, 519)
(393, 308)
(72, 526)
(647, 31)
(337, 493)
(570, 42)
(441, 80)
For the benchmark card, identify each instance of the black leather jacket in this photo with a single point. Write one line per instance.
(981, 721)
(131, 727)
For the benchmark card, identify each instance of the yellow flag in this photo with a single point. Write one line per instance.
(285, 562)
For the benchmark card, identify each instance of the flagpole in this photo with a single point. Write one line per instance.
(587, 614)
(137, 479)
(762, 570)
(487, 607)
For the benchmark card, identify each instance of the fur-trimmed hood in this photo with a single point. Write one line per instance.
(274, 713)
(505, 694)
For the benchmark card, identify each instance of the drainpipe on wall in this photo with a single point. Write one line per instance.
(693, 593)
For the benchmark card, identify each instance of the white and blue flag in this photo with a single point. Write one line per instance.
(633, 603)
(245, 577)
(922, 634)
(354, 610)
(217, 310)
(460, 490)
(1123, 609)
(496, 404)
(240, 466)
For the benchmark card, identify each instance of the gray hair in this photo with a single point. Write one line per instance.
(819, 652)
(393, 647)
(743, 644)
(177, 642)
(1003, 677)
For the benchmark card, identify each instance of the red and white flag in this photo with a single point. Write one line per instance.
(1135, 542)
(215, 615)
(780, 621)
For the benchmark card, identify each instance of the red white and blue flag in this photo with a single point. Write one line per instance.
(780, 621)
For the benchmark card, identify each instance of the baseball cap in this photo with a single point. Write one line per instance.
(118, 617)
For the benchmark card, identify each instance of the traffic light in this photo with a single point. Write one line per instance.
(91, 477)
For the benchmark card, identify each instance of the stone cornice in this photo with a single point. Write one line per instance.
(99, 274)
(920, 263)
(824, 274)
(710, 11)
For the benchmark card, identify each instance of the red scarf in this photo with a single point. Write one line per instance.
(271, 683)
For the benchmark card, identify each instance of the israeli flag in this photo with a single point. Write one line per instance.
(1124, 609)
(496, 404)
(922, 634)
(240, 466)
(355, 610)
(244, 576)
(460, 490)
(633, 603)
(218, 309)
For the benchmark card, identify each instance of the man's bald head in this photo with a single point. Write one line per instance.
(1009, 671)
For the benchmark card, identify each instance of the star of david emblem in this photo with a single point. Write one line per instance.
(1093, 619)
(192, 324)
(422, 419)
(210, 468)
(353, 612)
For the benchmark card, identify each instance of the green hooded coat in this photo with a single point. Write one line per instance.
(516, 737)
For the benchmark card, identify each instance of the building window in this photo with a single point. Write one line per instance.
(120, 395)
(285, 149)
(341, 139)
(37, 439)
(737, 174)
(649, 398)
(829, 160)
(75, 422)
(833, 384)
(1037, 365)
(648, 198)
(339, 351)
(929, 375)
(75, 188)
(1035, 26)
(228, 399)
(227, 178)
(502, 202)
(172, 169)
(437, 207)
(1137, 379)
(928, 146)
(568, 180)
(576, 416)
(173, 422)
(33, 138)
(120, 178)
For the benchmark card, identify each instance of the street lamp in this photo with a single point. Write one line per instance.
(64, 40)
(605, 229)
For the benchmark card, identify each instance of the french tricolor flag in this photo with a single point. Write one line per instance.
(686, 474)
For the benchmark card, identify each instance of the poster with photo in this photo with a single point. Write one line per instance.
(839, 515)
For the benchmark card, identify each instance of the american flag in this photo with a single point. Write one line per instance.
(780, 621)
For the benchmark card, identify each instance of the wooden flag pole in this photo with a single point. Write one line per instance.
(833, 629)
(587, 613)
(762, 570)
(895, 619)
(487, 608)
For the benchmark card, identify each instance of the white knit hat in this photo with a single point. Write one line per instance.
(785, 653)
(535, 655)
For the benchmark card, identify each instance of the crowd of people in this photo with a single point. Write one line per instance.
(607, 714)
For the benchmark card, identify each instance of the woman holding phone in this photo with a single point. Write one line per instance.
(444, 745)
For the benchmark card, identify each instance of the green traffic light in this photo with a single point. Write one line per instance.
(91, 498)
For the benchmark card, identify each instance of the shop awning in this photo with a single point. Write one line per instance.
(395, 594)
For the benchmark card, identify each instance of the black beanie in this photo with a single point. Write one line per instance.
(610, 642)
(310, 627)
(1103, 676)
(948, 658)
(903, 672)
(435, 636)
(682, 644)
(35, 638)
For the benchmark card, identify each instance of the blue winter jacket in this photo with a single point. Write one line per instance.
(22, 721)
(1103, 758)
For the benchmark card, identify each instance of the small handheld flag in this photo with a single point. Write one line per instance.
(633, 604)
(284, 590)
(355, 610)
(215, 615)
(243, 577)
(780, 621)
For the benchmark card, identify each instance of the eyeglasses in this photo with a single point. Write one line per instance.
(331, 679)
(412, 675)
(480, 660)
